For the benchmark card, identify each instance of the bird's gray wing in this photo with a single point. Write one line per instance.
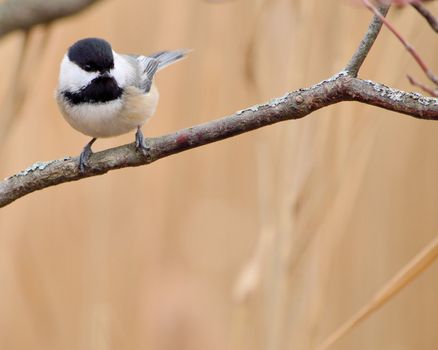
(148, 68)
(149, 65)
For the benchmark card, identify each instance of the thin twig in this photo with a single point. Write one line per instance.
(367, 42)
(430, 18)
(406, 275)
(408, 46)
(423, 87)
(293, 105)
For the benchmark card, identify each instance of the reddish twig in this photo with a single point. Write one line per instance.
(408, 46)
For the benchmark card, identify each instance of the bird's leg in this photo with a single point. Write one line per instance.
(140, 142)
(85, 155)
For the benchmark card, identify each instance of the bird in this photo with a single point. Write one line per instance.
(102, 93)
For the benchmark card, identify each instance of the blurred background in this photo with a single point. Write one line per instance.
(269, 240)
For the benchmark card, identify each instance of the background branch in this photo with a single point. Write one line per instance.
(407, 274)
(29, 61)
(24, 14)
(293, 105)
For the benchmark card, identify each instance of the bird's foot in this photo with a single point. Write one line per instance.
(140, 142)
(85, 156)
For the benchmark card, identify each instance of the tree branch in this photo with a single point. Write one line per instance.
(293, 105)
(367, 42)
(23, 14)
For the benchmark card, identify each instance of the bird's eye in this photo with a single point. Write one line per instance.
(88, 67)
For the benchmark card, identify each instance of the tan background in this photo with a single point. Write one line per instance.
(269, 240)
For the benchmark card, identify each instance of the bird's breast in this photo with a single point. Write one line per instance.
(138, 106)
(111, 118)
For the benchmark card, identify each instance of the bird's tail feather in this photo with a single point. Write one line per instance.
(166, 58)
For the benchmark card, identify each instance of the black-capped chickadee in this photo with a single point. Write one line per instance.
(102, 93)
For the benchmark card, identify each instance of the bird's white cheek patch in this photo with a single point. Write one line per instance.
(72, 78)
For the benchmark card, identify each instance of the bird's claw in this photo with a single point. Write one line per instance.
(83, 159)
(140, 143)
(85, 156)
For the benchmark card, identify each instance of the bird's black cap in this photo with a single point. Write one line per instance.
(92, 55)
